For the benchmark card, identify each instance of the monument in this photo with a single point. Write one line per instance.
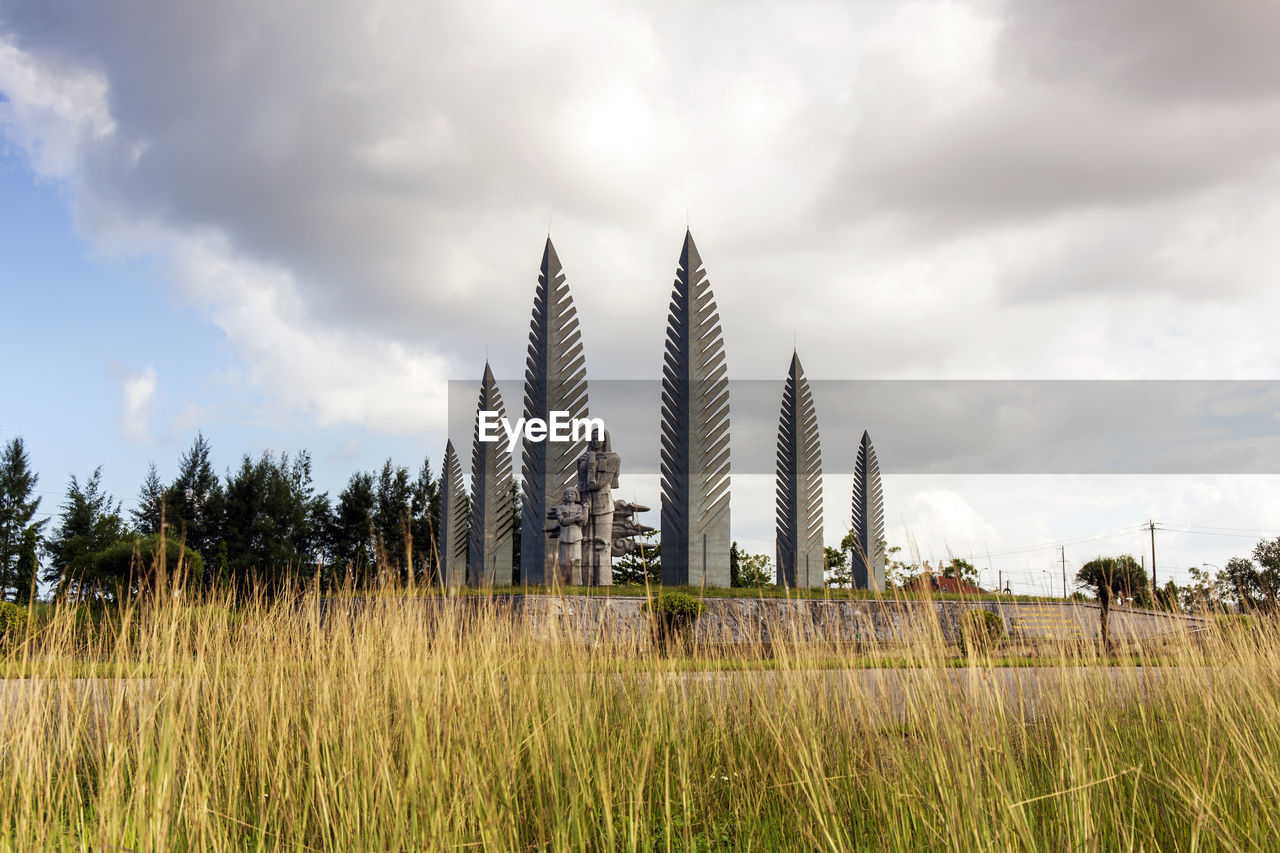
(800, 554)
(491, 552)
(452, 552)
(626, 528)
(868, 520)
(570, 525)
(555, 379)
(597, 478)
(590, 525)
(694, 449)
(571, 515)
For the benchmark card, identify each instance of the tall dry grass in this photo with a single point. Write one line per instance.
(388, 723)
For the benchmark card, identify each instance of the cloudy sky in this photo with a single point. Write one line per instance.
(289, 224)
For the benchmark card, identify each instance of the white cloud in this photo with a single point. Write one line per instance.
(906, 185)
(932, 189)
(330, 375)
(942, 518)
(53, 112)
(139, 396)
(327, 375)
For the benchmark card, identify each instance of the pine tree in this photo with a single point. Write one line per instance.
(643, 565)
(89, 522)
(308, 533)
(195, 500)
(390, 516)
(316, 538)
(269, 512)
(246, 529)
(19, 532)
(26, 580)
(146, 518)
(425, 524)
(350, 545)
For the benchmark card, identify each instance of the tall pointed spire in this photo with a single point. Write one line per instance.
(868, 519)
(694, 433)
(555, 379)
(799, 485)
(491, 552)
(453, 522)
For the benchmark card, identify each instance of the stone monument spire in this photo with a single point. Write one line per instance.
(555, 379)
(452, 541)
(694, 433)
(799, 487)
(868, 519)
(491, 552)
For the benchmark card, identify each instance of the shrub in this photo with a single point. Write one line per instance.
(980, 631)
(13, 622)
(1234, 624)
(130, 564)
(673, 616)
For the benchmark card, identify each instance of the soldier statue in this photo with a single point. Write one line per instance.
(593, 528)
(597, 477)
(570, 516)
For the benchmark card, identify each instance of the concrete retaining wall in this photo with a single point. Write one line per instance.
(738, 620)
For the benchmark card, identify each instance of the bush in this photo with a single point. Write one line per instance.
(1235, 624)
(13, 622)
(980, 631)
(673, 616)
(130, 564)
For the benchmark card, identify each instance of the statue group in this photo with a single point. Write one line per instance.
(590, 527)
(571, 527)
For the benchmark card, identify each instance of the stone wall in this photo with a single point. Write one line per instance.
(738, 620)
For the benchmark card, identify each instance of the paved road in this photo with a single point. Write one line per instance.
(863, 691)
(893, 692)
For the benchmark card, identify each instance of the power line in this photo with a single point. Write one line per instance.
(1058, 543)
(1215, 527)
(1152, 525)
(1215, 533)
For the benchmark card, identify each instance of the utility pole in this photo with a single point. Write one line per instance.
(1063, 549)
(1152, 525)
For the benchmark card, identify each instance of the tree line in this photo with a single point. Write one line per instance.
(1248, 585)
(259, 524)
(263, 523)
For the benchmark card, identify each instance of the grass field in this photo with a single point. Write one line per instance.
(299, 727)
